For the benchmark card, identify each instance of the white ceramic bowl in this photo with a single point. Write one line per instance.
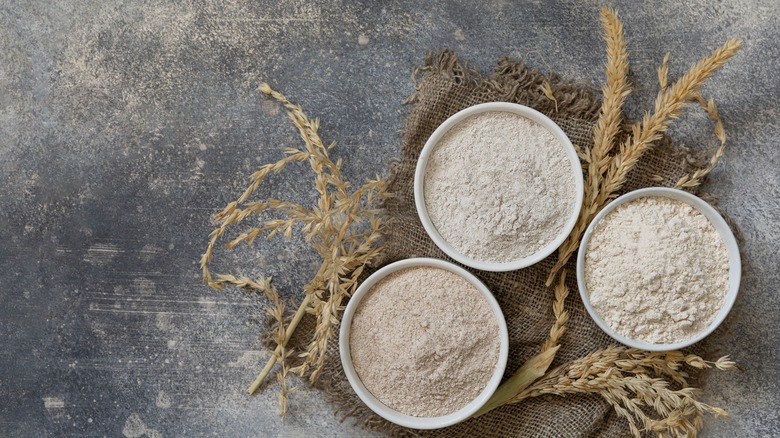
(735, 263)
(391, 414)
(422, 164)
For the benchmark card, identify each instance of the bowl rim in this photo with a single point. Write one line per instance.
(377, 406)
(422, 164)
(720, 225)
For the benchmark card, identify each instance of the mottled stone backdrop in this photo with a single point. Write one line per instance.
(124, 125)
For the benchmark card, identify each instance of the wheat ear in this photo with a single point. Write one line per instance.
(669, 104)
(615, 91)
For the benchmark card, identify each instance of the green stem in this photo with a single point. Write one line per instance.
(532, 369)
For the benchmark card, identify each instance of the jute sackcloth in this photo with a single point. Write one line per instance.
(445, 86)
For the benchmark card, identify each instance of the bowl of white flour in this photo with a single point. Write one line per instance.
(498, 186)
(658, 269)
(423, 343)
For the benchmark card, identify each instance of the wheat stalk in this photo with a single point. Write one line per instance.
(595, 161)
(615, 92)
(698, 176)
(669, 104)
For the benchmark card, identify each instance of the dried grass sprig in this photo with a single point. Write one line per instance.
(343, 226)
(637, 384)
(280, 337)
(668, 106)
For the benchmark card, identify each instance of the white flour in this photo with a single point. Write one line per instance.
(656, 270)
(499, 187)
(424, 341)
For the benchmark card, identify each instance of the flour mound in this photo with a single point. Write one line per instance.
(499, 187)
(656, 270)
(424, 341)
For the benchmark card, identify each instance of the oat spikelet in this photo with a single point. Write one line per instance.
(343, 226)
(280, 336)
(282, 353)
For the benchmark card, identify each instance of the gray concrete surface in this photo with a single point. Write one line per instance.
(124, 125)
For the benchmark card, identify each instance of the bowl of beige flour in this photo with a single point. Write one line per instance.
(498, 186)
(658, 269)
(423, 343)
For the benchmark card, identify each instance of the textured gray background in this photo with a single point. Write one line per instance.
(124, 125)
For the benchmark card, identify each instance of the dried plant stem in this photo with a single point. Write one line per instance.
(536, 366)
(698, 176)
(636, 384)
(289, 332)
(561, 315)
(281, 335)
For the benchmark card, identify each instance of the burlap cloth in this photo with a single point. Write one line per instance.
(444, 86)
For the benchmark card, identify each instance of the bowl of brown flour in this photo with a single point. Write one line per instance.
(423, 343)
(498, 186)
(658, 269)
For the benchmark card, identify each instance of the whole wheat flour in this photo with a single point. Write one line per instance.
(499, 187)
(424, 341)
(656, 270)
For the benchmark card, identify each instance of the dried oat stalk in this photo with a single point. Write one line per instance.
(649, 389)
(343, 226)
